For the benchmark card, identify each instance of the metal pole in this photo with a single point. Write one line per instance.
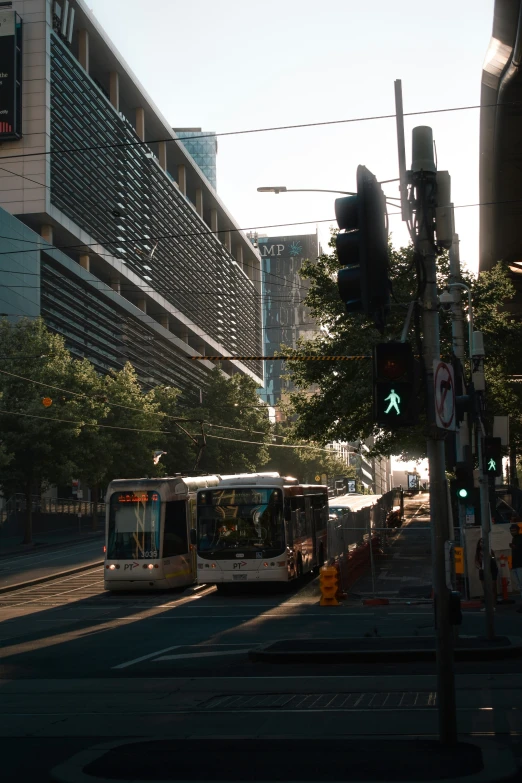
(458, 331)
(424, 173)
(372, 564)
(485, 515)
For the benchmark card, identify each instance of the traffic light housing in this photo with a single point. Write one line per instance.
(395, 385)
(463, 484)
(492, 457)
(362, 250)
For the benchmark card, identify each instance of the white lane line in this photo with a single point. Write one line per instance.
(205, 654)
(147, 657)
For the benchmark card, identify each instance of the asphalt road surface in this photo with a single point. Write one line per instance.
(80, 666)
(26, 566)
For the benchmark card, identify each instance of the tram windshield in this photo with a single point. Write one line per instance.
(134, 526)
(246, 518)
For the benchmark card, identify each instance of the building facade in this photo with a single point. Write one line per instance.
(135, 257)
(203, 147)
(286, 319)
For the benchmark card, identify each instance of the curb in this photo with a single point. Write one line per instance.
(372, 655)
(50, 577)
(498, 765)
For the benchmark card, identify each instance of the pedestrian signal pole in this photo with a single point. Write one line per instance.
(431, 193)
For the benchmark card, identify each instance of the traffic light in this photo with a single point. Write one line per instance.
(463, 484)
(395, 373)
(492, 456)
(362, 250)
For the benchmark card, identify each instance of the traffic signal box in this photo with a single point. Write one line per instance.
(492, 456)
(463, 485)
(395, 386)
(362, 250)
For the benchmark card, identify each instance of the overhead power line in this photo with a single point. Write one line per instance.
(322, 123)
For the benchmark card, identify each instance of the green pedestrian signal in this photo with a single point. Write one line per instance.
(395, 401)
(492, 456)
(463, 493)
(395, 385)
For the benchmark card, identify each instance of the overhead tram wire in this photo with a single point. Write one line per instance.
(78, 423)
(128, 407)
(78, 246)
(323, 123)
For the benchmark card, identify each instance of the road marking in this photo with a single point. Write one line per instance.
(146, 657)
(244, 650)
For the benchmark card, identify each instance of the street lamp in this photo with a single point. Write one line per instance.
(284, 189)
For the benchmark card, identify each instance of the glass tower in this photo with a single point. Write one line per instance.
(202, 146)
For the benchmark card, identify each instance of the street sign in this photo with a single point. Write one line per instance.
(459, 559)
(351, 485)
(318, 479)
(444, 383)
(47, 402)
(413, 480)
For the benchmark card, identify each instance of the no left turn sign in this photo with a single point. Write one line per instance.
(444, 382)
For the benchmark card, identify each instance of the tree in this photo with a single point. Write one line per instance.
(304, 463)
(341, 408)
(38, 439)
(120, 440)
(237, 417)
(181, 449)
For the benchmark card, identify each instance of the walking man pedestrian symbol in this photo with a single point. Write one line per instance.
(492, 465)
(394, 399)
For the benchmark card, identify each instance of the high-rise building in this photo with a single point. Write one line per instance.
(202, 146)
(120, 243)
(285, 316)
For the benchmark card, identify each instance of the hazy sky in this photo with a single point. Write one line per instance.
(234, 65)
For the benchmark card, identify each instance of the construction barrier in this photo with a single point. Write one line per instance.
(328, 585)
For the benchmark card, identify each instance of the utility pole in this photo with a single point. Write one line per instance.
(477, 353)
(424, 179)
(458, 333)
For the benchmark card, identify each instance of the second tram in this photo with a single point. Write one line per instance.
(259, 529)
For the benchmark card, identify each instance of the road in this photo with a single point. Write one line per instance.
(24, 567)
(79, 666)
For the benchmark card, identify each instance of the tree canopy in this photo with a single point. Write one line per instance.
(340, 409)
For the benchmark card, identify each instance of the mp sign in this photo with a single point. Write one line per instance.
(10, 75)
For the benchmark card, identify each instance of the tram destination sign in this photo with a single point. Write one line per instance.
(10, 75)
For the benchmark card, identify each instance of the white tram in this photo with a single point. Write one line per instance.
(147, 532)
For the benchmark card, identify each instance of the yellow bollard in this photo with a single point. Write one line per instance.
(328, 585)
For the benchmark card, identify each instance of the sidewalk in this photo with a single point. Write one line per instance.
(404, 569)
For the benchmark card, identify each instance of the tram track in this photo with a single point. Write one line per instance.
(87, 587)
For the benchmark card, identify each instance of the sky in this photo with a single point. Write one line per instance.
(234, 65)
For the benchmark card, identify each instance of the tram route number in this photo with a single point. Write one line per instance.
(153, 553)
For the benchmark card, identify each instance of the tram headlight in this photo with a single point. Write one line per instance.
(151, 566)
(112, 567)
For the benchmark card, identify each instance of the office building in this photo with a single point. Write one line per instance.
(286, 319)
(127, 250)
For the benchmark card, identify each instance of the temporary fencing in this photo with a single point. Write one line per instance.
(357, 532)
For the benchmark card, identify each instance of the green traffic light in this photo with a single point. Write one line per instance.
(462, 493)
